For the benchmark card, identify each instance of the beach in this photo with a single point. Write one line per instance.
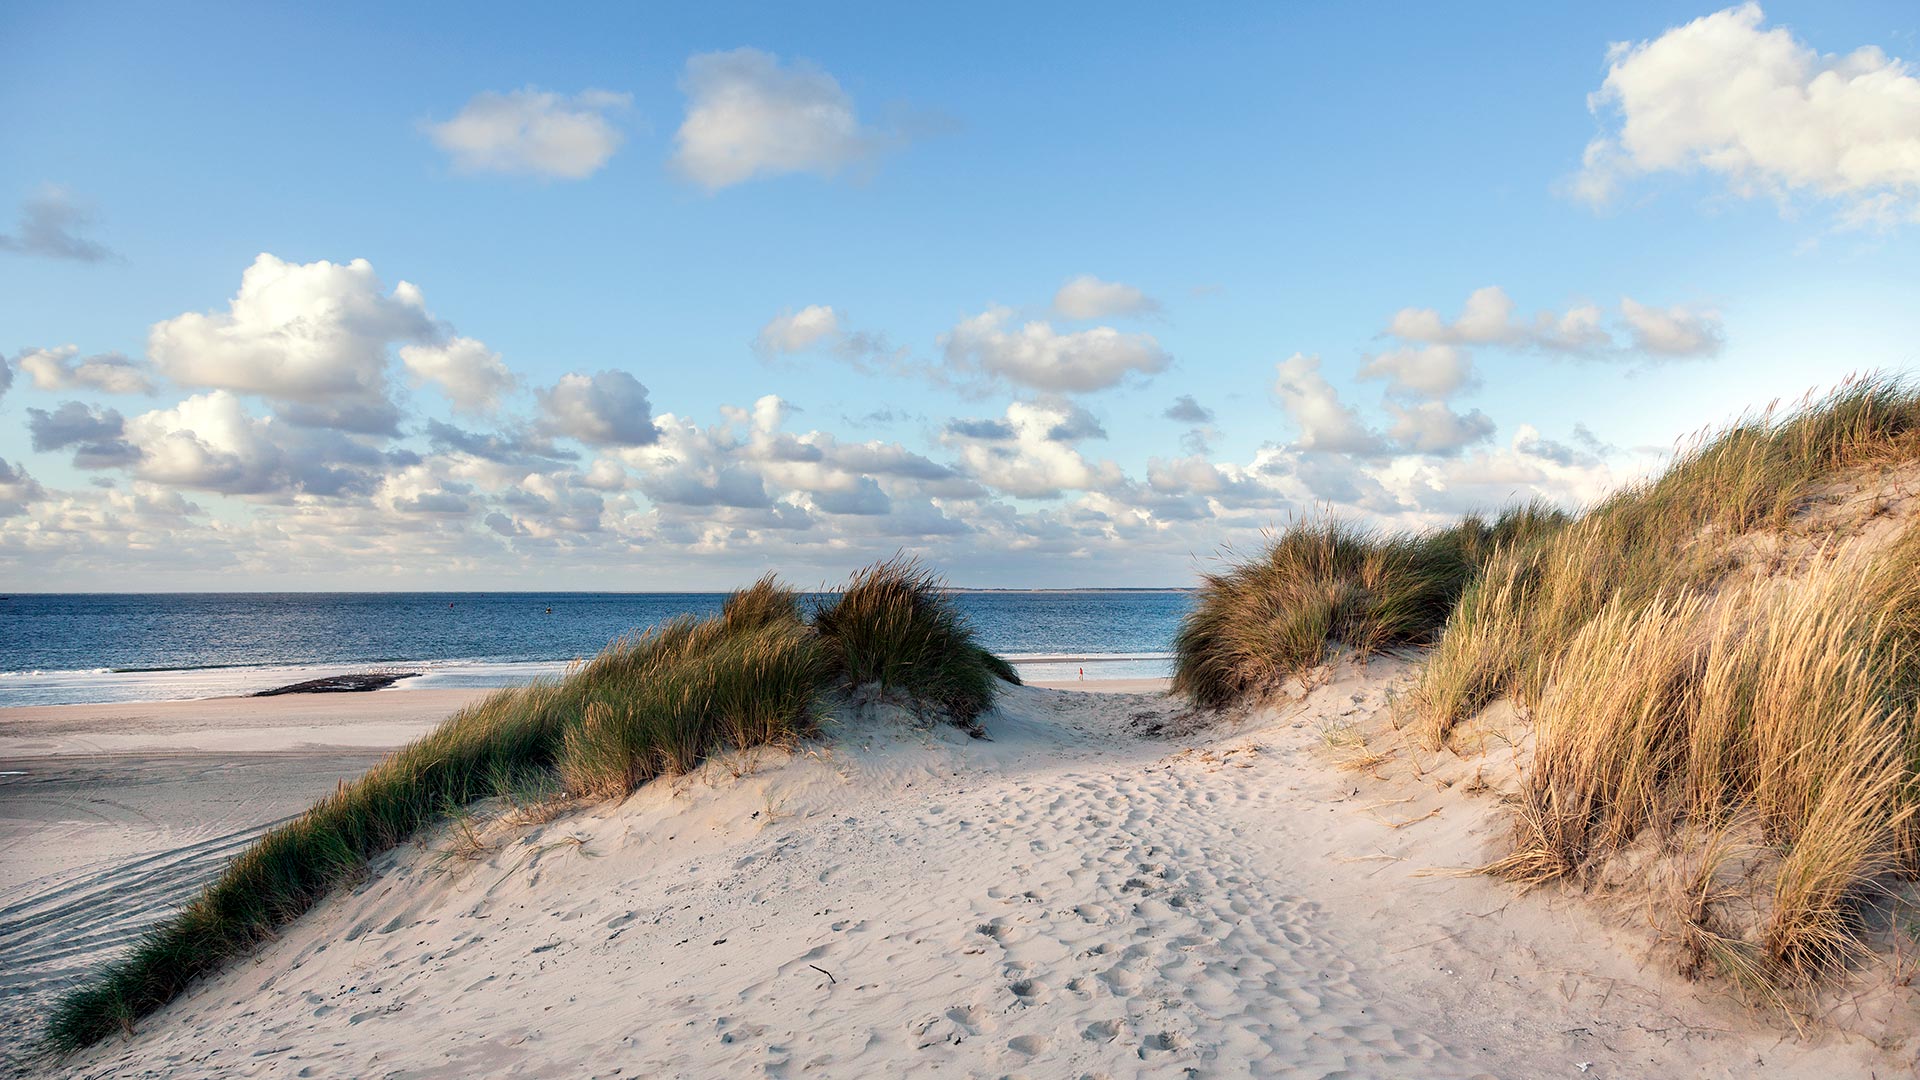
(1123, 888)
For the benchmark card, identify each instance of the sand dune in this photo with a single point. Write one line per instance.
(1082, 894)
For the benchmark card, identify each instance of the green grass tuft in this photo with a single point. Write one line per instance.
(1324, 582)
(894, 627)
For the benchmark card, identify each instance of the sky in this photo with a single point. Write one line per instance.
(367, 296)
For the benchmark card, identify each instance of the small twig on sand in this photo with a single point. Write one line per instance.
(830, 979)
(1435, 812)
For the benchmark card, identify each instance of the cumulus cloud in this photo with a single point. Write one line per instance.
(94, 432)
(798, 331)
(1038, 356)
(312, 336)
(533, 131)
(50, 224)
(1489, 318)
(17, 489)
(1421, 372)
(1430, 427)
(1087, 297)
(1674, 331)
(517, 448)
(750, 472)
(1762, 110)
(1186, 410)
(1586, 452)
(984, 428)
(471, 375)
(208, 442)
(1325, 422)
(62, 368)
(608, 408)
(1031, 453)
(748, 115)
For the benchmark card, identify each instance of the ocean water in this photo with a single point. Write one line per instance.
(69, 648)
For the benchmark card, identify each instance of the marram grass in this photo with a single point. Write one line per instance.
(1666, 694)
(654, 704)
(1322, 582)
(1666, 537)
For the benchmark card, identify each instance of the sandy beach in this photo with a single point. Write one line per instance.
(1116, 890)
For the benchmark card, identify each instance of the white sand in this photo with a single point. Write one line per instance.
(1069, 898)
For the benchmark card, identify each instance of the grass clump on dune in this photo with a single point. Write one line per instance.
(1663, 538)
(1324, 582)
(892, 628)
(1776, 710)
(1766, 719)
(1791, 708)
(657, 703)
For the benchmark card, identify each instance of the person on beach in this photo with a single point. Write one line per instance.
(1083, 674)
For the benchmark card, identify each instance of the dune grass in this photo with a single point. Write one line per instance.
(1663, 538)
(654, 704)
(1666, 692)
(1789, 703)
(893, 629)
(1322, 582)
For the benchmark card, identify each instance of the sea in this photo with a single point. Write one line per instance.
(60, 649)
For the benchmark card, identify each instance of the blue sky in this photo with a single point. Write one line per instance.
(603, 216)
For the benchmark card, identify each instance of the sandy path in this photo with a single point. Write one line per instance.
(1066, 899)
(1110, 686)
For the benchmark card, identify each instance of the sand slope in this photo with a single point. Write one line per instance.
(1069, 898)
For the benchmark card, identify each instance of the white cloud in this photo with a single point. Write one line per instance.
(1581, 332)
(1325, 422)
(1765, 112)
(94, 431)
(1674, 331)
(1038, 356)
(17, 490)
(57, 369)
(798, 331)
(1186, 410)
(1087, 297)
(609, 408)
(471, 375)
(49, 225)
(1427, 371)
(1031, 454)
(749, 116)
(1438, 488)
(314, 337)
(1430, 427)
(1488, 319)
(208, 442)
(533, 131)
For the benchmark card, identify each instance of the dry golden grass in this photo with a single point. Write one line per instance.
(1663, 538)
(1787, 701)
(1671, 697)
(1320, 583)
